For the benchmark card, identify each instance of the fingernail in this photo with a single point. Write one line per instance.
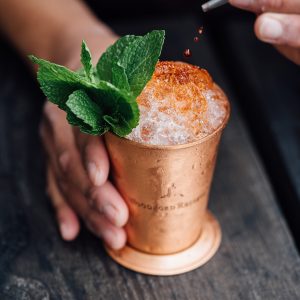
(270, 29)
(111, 214)
(115, 240)
(64, 160)
(94, 174)
(66, 231)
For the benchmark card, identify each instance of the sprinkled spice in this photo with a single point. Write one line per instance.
(200, 30)
(187, 53)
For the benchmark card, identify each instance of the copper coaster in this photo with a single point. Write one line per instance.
(181, 262)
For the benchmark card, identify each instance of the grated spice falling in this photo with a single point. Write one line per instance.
(200, 30)
(180, 104)
(187, 53)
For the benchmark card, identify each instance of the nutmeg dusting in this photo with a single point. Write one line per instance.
(176, 105)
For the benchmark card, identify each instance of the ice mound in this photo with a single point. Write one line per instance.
(180, 104)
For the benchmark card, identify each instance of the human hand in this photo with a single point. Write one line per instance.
(278, 23)
(77, 172)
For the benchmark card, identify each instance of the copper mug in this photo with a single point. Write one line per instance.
(166, 189)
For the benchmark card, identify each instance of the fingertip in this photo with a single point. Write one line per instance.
(269, 28)
(113, 236)
(243, 4)
(110, 203)
(67, 231)
(123, 216)
(232, 2)
(117, 240)
(95, 174)
(64, 159)
(118, 216)
(68, 224)
(97, 162)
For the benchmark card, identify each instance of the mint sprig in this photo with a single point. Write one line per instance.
(102, 98)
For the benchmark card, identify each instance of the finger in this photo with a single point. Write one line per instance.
(258, 6)
(94, 156)
(115, 237)
(291, 53)
(109, 202)
(61, 148)
(279, 29)
(67, 219)
(47, 140)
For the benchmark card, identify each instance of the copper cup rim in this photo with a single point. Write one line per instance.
(179, 146)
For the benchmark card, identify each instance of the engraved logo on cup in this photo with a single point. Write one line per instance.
(162, 188)
(166, 208)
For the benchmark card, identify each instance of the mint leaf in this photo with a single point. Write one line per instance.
(73, 120)
(119, 78)
(139, 59)
(112, 55)
(87, 111)
(119, 125)
(137, 55)
(57, 82)
(86, 60)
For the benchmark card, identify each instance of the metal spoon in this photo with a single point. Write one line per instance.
(212, 4)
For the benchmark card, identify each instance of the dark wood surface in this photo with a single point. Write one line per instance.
(257, 258)
(268, 86)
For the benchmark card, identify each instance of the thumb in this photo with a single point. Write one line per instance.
(279, 29)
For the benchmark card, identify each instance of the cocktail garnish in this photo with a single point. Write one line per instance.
(103, 98)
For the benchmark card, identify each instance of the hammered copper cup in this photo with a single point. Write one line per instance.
(166, 189)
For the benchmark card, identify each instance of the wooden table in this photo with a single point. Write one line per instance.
(258, 258)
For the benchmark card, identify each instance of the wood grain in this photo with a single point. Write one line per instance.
(257, 258)
(269, 100)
